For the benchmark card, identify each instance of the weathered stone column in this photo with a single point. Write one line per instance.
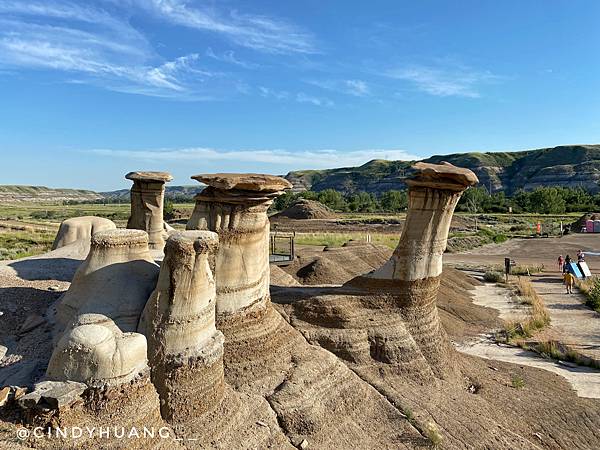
(185, 349)
(235, 206)
(411, 277)
(147, 201)
(98, 315)
(115, 280)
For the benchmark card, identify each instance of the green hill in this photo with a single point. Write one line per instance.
(567, 166)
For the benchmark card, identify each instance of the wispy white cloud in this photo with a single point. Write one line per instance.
(357, 88)
(111, 54)
(229, 57)
(258, 32)
(283, 159)
(301, 97)
(273, 93)
(451, 81)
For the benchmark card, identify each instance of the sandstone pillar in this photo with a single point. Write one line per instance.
(235, 206)
(185, 349)
(411, 277)
(115, 280)
(147, 201)
(98, 315)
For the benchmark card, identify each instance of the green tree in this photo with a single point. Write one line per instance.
(362, 202)
(547, 200)
(333, 199)
(393, 201)
(284, 201)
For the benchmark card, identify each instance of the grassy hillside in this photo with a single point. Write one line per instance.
(568, 166)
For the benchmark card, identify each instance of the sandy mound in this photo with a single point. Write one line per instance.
(307, 209)
(337, 265)
(280, 277)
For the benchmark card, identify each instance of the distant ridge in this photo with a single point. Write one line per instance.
(17, 194)
(565, 165)
(171, 192)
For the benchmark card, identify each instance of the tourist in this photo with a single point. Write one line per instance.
(567, 263)
(580, 256)
(569, 280)
(561, 263)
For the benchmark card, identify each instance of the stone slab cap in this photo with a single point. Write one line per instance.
(244, 181)
(442, 176)
(120, 237)
(149, 176)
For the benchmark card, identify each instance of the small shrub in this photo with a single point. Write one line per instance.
(593, 295)
(492, 276)
(432, 433)
(517, 381)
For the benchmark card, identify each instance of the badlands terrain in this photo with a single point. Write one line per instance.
(348, 347)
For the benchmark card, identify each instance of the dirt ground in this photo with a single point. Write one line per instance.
(311, 393)
(532, 251)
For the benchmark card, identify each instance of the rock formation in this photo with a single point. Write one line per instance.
(80, 228)
(184, 347)
(115, 280)
(403, 330)
(101, 310)
(235, 207)
(147, 201)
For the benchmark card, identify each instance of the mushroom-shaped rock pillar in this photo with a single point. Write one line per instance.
(235, 207)
(185, 349)
(412, 275)
(147, 201)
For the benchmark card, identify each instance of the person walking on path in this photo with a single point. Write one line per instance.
(569, 281)
(566, 264)
(561, 263)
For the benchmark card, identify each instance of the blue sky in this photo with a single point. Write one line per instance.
(90, 90)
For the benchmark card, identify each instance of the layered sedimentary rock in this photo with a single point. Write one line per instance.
(389, 315)
(235, 207)
(147, 201)
(97, 317)
(80, 229)
(184, 347)
(115, 280)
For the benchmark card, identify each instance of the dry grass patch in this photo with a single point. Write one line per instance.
(537, 318)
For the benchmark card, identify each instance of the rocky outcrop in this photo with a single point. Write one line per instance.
(115, 280)
(147, 201)
(184, 347)
(80, 229)
(97, 317)
(403, 329)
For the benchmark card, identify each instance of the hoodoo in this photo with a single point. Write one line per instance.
(235, 207)
(185, 349)
(147, 201)
(80, 229)
(412, 275)
(98, 315)
(403, 332)
(115, 280)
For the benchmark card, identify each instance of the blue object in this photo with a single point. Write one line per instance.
(572, 267)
